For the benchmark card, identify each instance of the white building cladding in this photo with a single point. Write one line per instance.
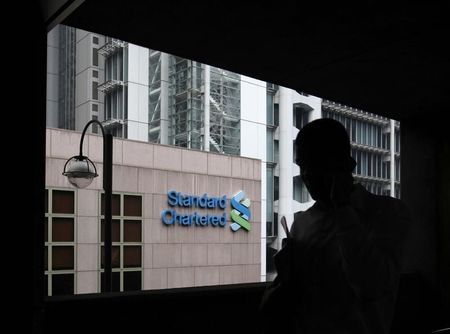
(151, 96)
(375, 145)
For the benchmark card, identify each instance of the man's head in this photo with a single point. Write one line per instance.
(322, 152)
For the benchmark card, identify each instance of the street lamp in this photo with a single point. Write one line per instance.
(81, 171)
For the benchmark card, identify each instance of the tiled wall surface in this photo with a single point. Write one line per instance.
(173, 256)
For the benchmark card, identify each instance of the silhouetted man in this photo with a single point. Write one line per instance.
(341, 264)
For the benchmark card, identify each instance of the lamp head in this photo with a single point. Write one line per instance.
(80, 171)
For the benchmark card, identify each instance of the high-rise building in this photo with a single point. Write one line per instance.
(165, 100)
(375, 145)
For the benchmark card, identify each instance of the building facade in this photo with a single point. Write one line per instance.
(157, 243)
(164, 101)
(375, 145)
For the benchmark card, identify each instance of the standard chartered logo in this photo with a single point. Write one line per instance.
(240, 214)
(215, 214)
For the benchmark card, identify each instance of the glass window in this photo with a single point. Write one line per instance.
(46, 229)
(115, 230)
(94, 90)
(181, 95)
(358, 132)
(269, 202)
(115, 205)
(94, 56)
(115, 257)
(276, 194)
(378, 136)
(63, 202)
(269, 145)
(127, 241)
(364, 133)
(269, 108)
(353, 131)
(132, 231)
(46, 200)
(132, 205)
(379, 166)
(62, 257)
(46, 258)
(348, 125)
(276, 114)
(374, 134)
(131, 256)
(62, 229)
(94, 125)
(59, 247)
(359, 160)
(276, 156)
(115, 286)
(62, 284)
(132, 280)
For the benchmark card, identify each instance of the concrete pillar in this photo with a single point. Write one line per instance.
(285, 161)
(206, 107)
(392, 153)
(164, 99)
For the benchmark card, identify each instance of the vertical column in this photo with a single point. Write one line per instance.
(286, 160)
(392, 153)
(206, 86)
(138, 93)
(316, 113)
(107, 186)
(164, 96)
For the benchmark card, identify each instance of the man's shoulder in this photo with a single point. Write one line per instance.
(311, 211)
(304, 219)
(389, 205)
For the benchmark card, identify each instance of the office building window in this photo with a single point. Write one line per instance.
(94, 125)
(95, 74)
(276, 191)
(397, 141)
(94, 90)
(126, 242)
(95, 40)
(276, 151)
(270, 145)
(270, 223)
(94, 107)
(353, 131)
(276, 114)
(300, 192)
(269, 108)
(59, 225)
(378, 136)
(94, 56)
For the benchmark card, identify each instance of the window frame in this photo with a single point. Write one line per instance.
(49, 244)
(121, 243)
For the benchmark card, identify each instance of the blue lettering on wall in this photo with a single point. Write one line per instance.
(171, 217)
(188, 201)
(177, 199)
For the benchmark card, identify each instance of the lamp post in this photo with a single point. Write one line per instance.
(81, 171)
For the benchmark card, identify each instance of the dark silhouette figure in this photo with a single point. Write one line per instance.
(339, 268)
